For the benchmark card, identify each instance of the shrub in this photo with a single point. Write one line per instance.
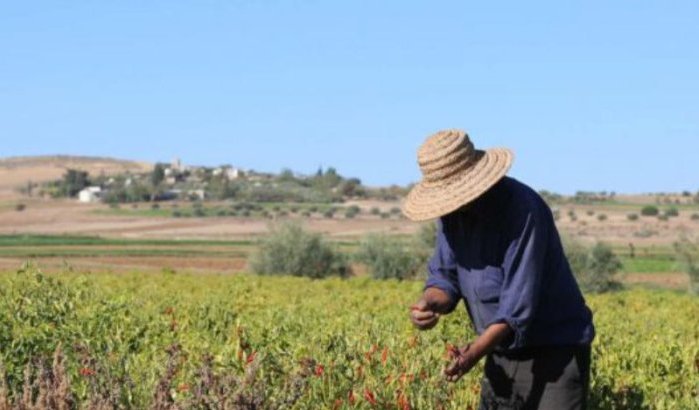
(155, 206)
(306, 214)
(20, 207)
(649, 210)
(594, 268)
(601, 217)
(329, 213)
(387, 258)
(199, 212)
(632, 217)
(222, 212)
(672, 212)
(590, 212)
(375, 211)
(687, 253)
(662, 217)
(395, 210)
(291, 250)
(313, 209)
(176, 214)
(385, 215)
(571, 214)
(694, 217)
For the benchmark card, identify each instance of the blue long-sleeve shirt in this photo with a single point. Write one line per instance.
(503, 256)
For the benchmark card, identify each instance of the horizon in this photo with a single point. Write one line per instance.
(588, 97)
(309, 174)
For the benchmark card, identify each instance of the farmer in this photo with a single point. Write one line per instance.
(498, 250)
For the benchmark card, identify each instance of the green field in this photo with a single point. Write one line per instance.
(296, 343)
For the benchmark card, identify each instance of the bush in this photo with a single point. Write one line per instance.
(650, 210)
(291, 250)
(176, 214)
(329, 213)
(155, 206)
(672, 212)
(687, 253)
(200, 212)
(385, 215)
(590, 212)
(601, 217)
(388, 258)
(375, 211)
(594, 268)
(632, 217)
(694, 217)
(20, 207)
(662, 217)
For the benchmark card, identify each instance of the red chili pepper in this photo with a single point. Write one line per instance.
(86, 371)
(369, 396)
(319, 370)
(251, 358)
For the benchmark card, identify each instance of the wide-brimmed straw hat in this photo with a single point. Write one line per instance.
(454, 173)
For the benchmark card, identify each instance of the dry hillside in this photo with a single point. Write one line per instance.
(16, 171)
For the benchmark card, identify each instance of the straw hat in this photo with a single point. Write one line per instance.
(454, 173)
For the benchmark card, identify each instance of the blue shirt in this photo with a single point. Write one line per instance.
(503, 256)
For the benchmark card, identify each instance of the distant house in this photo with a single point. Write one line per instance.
(228, 171)
(90, 194)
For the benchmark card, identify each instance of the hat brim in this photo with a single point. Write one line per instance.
(430, 201)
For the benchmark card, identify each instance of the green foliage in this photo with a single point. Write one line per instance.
(601, 217)
(387, 258)
(687, 253)
(158, 175)
(312, 340)
(672, 212)
(650, 210)
(290, 250)
(73, 182)
(594, 268)
(632, 217)
(694, 217)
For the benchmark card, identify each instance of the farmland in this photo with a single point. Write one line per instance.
(181, 339)
(152, 305)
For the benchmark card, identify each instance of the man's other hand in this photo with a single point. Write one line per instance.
(422, 316)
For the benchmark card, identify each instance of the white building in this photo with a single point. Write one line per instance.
(90, 194)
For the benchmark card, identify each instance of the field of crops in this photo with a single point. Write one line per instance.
(192, 341)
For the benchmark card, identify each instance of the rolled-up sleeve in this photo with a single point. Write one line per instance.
(441, 267)
(523, 268)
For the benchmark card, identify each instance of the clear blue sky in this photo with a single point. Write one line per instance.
(592, 95)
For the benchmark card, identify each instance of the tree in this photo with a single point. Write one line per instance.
(158, 175)
(594, 268)
(74, 181)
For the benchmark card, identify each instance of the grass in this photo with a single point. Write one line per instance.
(648, 265)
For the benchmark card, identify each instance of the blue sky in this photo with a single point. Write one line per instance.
(592, 95)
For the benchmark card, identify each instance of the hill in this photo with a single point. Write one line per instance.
(17, 171)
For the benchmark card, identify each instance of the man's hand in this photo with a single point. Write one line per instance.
(422, 316)
(462, 360)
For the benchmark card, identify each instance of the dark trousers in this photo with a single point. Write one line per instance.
(556, 378)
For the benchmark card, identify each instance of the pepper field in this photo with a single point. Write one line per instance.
(171, 341)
